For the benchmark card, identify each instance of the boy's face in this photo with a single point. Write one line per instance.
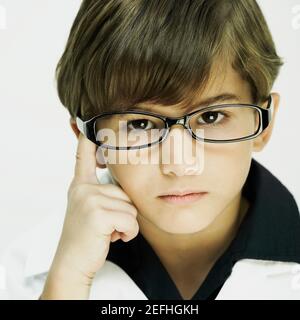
(225, 170)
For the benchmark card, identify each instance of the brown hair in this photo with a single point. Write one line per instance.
(123, 52)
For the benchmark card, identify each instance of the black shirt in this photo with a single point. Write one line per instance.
(270, 230)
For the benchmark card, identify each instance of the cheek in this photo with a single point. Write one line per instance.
(226, 168)
(228, 165)
(134, 179)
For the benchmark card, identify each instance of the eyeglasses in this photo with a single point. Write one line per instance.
(134, 129)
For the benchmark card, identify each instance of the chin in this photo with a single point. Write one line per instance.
(183, 225)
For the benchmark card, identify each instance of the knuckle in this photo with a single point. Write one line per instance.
(130, 209)
(131, 222)
(134, 210)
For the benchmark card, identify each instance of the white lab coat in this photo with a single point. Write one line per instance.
(25, 263)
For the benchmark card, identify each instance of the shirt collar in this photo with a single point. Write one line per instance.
(271, 227)
(267, 239)
(270, 230)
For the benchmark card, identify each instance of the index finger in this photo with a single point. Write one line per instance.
(86, 163)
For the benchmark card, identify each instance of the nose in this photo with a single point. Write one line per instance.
(181, 154)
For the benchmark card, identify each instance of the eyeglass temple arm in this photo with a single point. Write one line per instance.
(269, 110)
(81, 126)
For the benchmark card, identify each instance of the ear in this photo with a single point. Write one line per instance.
(77, 132)
(260, 142)
(74, 127)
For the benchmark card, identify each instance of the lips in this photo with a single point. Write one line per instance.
(177, 197)
(180, 193)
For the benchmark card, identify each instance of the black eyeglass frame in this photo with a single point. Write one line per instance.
(87, 127)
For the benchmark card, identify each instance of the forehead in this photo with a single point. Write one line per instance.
(224, 86)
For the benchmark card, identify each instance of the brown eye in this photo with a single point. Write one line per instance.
(140, 124)
(210, 117)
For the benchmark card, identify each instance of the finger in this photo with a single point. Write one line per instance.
(118, 205)
(129, 236)
(115, 236)
(85, 166)
(122, 222)
(113, 191)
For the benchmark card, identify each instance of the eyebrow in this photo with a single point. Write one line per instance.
(219, 98)
(204, 103)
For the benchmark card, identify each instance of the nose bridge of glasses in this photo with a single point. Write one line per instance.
(174, 121)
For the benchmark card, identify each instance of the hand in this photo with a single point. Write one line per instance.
(96, 215)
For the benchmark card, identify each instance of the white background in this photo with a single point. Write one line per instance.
(37, 145)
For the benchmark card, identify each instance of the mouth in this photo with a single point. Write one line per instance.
(182, 197)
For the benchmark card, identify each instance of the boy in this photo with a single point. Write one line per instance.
(151, 73)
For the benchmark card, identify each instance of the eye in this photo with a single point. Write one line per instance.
(140, 124)
(211, 117)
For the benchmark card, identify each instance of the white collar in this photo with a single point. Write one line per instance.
(250, 278)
